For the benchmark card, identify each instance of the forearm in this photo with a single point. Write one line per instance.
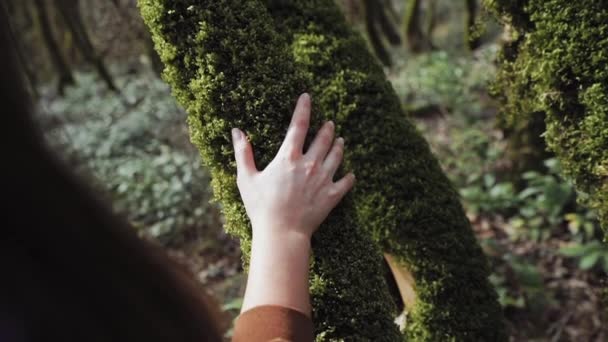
(278, 272)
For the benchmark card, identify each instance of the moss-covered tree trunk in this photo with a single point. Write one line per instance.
(402, 198)
(228, 68)
(558, 69)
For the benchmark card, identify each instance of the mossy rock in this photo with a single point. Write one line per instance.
(556, 67)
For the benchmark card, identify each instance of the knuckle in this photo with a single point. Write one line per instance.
(311, 167)
(334, 193)
(292, 155)
(325, 138)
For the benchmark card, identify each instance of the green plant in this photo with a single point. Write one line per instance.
(591, 254)
(542, 203)
(487, 195)
(583, 225)
(470, 157)
(519, 283)
(453, 83)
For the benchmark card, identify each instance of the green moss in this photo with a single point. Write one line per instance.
(402, 196)
(228, 68)
(557, 67)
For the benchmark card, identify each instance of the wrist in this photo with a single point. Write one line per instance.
(278, 273)
(280, 235)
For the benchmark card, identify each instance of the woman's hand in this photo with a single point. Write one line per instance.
(286, 203)
(295, 192)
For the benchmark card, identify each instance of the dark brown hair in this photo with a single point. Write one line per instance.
(71, 270)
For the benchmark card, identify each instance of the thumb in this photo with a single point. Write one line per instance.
(243, 153)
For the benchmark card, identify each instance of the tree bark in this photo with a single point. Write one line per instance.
(371, 9)
(386, 24)
(70, 13)
(32, 80)
(157, 64)
(66, 77)
(417, 41)
(471, 38)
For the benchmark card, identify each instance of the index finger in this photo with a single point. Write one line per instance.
(298, 128)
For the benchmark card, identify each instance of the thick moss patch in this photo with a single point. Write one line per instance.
(403, 198)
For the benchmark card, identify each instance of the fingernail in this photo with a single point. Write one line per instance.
(305, 96)
(341, 141)
(236, 134)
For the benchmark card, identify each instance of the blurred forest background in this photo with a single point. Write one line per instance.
(103, 106)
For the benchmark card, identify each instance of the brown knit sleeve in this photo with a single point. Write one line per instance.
(273, 323)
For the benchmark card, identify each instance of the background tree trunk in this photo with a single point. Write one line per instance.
(371, 8)
(69, 10)
(63, 70)
(157, 64)
(416, 40)
(471, 37)
(32, 80)
(386, 23)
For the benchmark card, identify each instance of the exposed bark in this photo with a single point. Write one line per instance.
(405, 281)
